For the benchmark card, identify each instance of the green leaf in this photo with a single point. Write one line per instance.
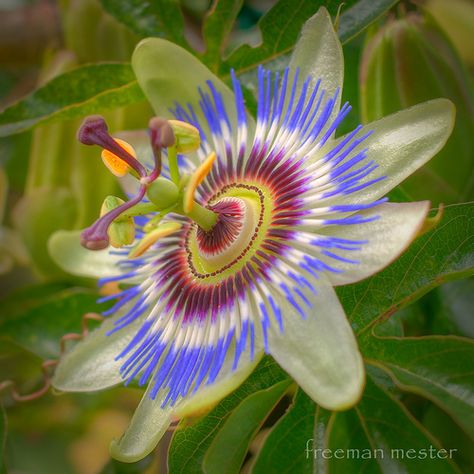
(453, 311)
(437, 367)
(217, 26)
(398, 441)
(80, 92)
(190, 443)
(348, 434)
(280, 29)
(281, 25)
(227, 452)
(378, 435)
(446, 253)
(150, 17)
(37, 323)
(355, 19)
(284, 451)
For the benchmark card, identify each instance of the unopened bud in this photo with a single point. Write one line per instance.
(410, 61)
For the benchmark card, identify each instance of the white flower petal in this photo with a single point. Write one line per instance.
(168, 73)
(147, 426)
(400, 144)
(226, 382)
(318, 53)
(150, 421)
(90, 365)
(320, 352)
(387, 238)
(67, 252)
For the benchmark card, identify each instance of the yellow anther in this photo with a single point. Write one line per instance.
(146, 242)
(116, 165)
(196, 179)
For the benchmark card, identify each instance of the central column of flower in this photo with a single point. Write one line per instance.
(232, 233)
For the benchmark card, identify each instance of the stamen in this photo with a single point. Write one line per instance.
(116, 165)
(162, 231)
(94, 131)
(96, 237)
(196, 179)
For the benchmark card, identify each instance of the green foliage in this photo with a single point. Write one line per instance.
(216, 28)
(436, 367)
(444, 254)
(191, 441)
(77, 93)
(419, 389)
(149, 18)
(228, 449)
(37, 317)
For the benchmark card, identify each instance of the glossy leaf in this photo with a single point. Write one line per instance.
(149, 17)
(377, 436)
(190, 443)
(280, 29)
(77, 93)
(360, 15)
(227, 451)
(436, 367)
(43, 314)
(446, 253)
(395, 438)
(287, 449)
(216, 29)
(453, 313)
(281, 26)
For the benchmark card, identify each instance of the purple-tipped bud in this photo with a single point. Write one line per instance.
(161, 133)
(87, 133)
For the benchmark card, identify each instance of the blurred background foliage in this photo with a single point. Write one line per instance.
(396, 54)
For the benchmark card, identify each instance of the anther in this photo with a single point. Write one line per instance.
(94, 131)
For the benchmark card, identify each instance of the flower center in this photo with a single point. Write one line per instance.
(232, 233)
(244, 213)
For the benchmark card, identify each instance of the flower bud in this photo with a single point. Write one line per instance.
(410, 61)
(456, 17)
(122, 231)
(187, 136)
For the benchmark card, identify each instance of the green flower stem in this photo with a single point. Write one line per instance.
(140, 209)
(204, 218)
(173, 164)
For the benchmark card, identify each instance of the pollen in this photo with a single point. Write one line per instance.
(116, 165)
(196, 179)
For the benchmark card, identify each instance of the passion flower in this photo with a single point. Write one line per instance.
(266, 217)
